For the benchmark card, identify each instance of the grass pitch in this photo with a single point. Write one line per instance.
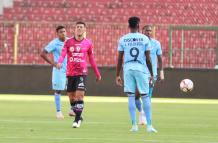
(31, 119)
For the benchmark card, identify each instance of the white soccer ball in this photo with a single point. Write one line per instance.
(186, 85)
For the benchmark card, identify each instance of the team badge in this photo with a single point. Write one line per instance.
(78, 48)
(71, 49)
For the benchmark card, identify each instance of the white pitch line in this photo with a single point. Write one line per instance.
(4, 97)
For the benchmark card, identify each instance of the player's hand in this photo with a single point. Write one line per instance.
(58, 65)
(119, 81)
(161, 76)
(98, 79)
(54, 64)
(151, 81)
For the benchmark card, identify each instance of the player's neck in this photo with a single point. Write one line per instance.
(79, 38)
(134, 30)
(62, 39)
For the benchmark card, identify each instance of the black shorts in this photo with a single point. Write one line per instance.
(76, 83)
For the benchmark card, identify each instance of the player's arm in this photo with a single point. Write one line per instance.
(119, 81)
(149, 65)
(160, 63)
(93, 63)
(119, 67)
(148, 62)
(48, 49)
(44, 55)
(62, 56)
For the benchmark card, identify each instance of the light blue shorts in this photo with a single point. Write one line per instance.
(136, 80)
(59, 79)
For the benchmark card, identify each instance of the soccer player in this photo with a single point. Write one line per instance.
(77, 49)
(58, 76)
(137, 70)
(156, 59)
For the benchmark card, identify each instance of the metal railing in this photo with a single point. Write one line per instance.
(183, 46)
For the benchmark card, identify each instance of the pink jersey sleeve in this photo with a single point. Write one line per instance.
(92, 61)
(63, 53)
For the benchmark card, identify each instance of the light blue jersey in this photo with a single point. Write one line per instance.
(155, 51)
(136, 73)
(58, 76)
(134, 46)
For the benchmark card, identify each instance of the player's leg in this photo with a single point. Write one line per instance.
(57, 97)
(151, 88)
(142, 81)
(58, 84)
(78, 108)
(130, 88)
(71, 92)
(72, 96)
(79, 102)
(138, 102)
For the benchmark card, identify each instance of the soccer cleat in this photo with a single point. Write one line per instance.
(59, 115)
(134, 128)
(150, 129)
(76, 124)
(142, 118)
(71, 113)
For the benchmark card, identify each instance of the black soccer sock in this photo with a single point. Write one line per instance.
(72, 103)
(78, 109)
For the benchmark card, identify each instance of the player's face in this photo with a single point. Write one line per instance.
(147, 31)
(80, 30)
(62, 33)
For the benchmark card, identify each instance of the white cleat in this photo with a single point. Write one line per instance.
(59, 115)
(150, 129)
(134, 128)
(76, 124)
(71, 113)
(142, 118)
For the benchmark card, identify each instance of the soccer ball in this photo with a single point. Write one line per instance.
(186, 85)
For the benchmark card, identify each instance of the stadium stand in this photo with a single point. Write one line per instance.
(107, 18)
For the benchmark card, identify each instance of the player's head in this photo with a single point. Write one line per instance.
(134, 23)
(61, 32)
(80, 29)
(147, 30)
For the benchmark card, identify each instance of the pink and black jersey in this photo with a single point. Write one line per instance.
(77, 53)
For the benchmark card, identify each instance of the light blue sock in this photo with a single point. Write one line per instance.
(58, 101)
(132, 108)
(150, 91)
(138, 104)
(147, 108)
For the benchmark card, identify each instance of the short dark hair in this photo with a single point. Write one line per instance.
(81, 22)
(134, 22)
(59, 27)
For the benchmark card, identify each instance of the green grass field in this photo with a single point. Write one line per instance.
(31, 119)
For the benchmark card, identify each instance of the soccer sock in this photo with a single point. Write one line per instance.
(72, 103)
(78, 108)
(150, 91)
(132, 108)
(138, 104)
(147, 108)
(57, 102)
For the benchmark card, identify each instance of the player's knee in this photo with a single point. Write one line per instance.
(79, 95)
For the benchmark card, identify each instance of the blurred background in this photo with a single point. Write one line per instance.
(187, 31)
